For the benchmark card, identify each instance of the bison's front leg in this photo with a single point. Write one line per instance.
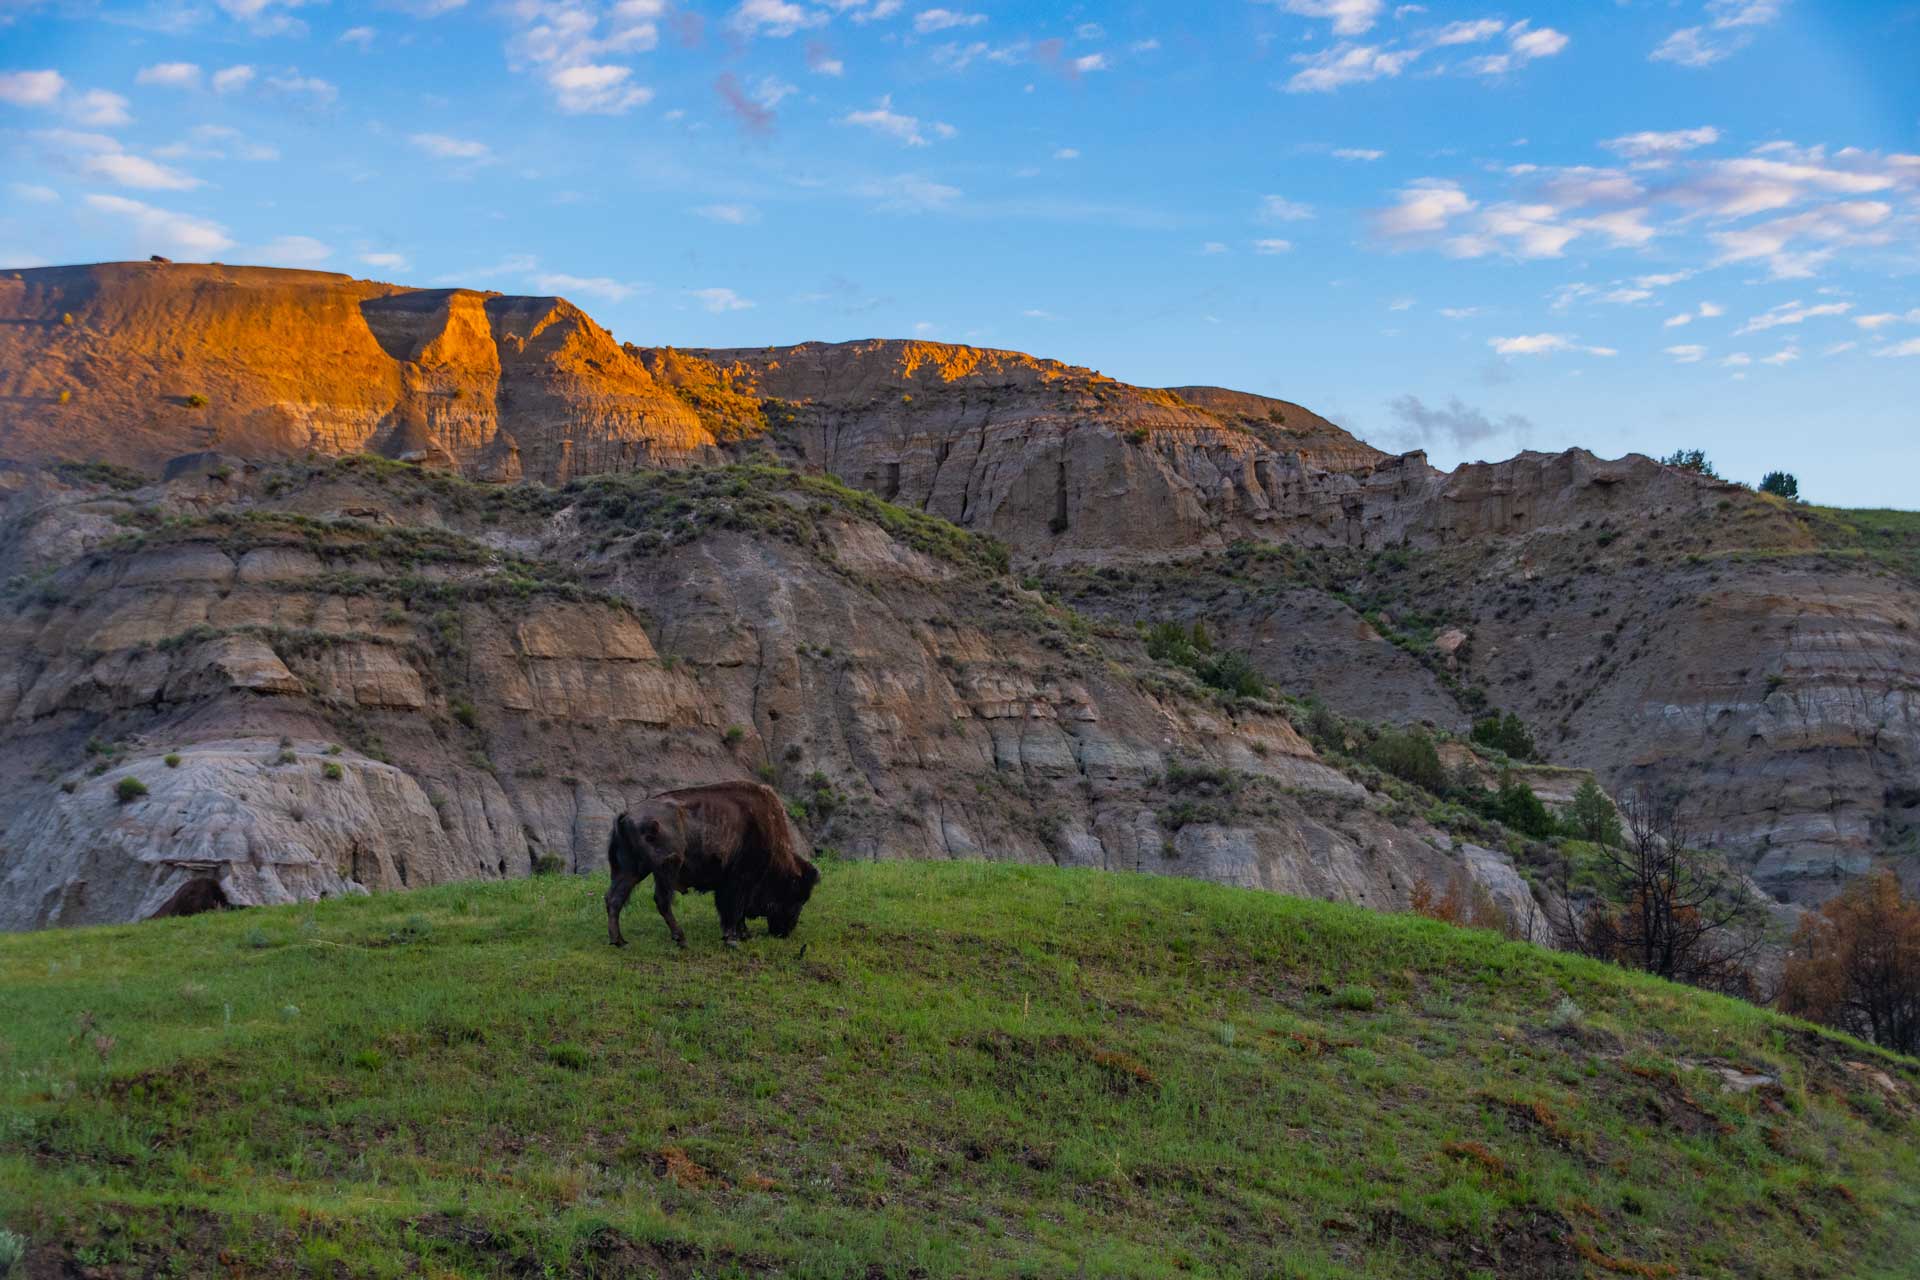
(733, 914)
(617, 894)
(663, 888)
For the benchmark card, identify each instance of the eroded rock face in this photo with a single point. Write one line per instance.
(912, 707)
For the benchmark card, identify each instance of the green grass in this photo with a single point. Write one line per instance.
(1890, 537)
(951, 1070)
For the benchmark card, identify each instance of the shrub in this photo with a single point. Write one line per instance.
(196, 401)
(549, 864)
(12, 1250)
(1466, 903)
(1508, 734)
(287, 756)
(1855, 964)
(1694, 460)
(1410, 757)
(734, 734)
(1781, 484)
(1591, 817)
(129, 790)
(1356, 998)
(463, 712)
(332, 772)
(1516, 806)
(66, 397)
(172, 759)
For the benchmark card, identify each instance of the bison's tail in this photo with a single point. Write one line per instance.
(613, 844)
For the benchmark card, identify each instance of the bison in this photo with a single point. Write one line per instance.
(730, 839)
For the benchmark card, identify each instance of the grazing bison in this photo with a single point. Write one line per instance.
(730, 838)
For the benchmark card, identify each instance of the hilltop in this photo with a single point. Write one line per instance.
(951, 1070)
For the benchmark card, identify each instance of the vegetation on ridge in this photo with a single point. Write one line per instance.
(953, 1069)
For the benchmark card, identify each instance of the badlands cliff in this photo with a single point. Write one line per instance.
(617, 568)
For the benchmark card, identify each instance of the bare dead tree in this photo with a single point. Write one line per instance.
(1669, 905)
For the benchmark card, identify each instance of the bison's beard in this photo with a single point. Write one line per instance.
(782, 920)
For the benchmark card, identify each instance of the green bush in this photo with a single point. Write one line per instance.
(129, 790)
(1410, 757)
(196, 401)
(463, 712)
(1358, 999)
(172, 759)
(1516, 806)
(549, 864)
(332, 772)
(1506, 733)
(1694, 460)
(1591, 817)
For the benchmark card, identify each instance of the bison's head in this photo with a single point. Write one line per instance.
(785, 899)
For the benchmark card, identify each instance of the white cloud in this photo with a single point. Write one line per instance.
(1839, 348)
(1651, 145)
(450, 148)
(177, 231)
(1540, 42)
(1089, 63)
(1706, 311)
(232, 79)
(386, 261)
(735, 215)
(1401, 304)
(1272, 246)
(1911, 347)
(99, 109)
(362, 36)
(170, 75)
(1662, 280)
(1345, 64)
(1424, 207)
(1350, 17)
(1358, 153)
(138, 172)
(718, 300)
(1543, 344)
(601, 287)
(1700, 46)
(884, 120)
(1213, 247)
(31, 88)
(1786, 355)
(1881, 319)
(1841, 223)
(1035, 313)
(1792, 313)
(1472, 32)
(321, 91)
(1687, 354)
(591, 90)
(930, 20)
(773, 18)
(1459, 313)
(34, 193)
(1738, 360)
(1067, 153)
(1281, 209)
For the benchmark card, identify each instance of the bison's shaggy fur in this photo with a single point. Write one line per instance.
(730, 839)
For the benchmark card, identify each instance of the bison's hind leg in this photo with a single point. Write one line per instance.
(733, 914)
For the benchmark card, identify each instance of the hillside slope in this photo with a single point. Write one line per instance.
(951, 1070)
(359, 674)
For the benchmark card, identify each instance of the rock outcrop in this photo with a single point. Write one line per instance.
(318, 703)
(137, 363)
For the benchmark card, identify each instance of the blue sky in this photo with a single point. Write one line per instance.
(1471, 228)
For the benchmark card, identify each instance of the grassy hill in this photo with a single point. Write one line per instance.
(951, 1070)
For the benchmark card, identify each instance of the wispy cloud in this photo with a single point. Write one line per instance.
(719, 300)
(884, 120)
(169, 75)
(928, 21)
(1544, 344)
(1792, 313)
(451, 148)
(183, 233)
(602, 287)
(1729, 28)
